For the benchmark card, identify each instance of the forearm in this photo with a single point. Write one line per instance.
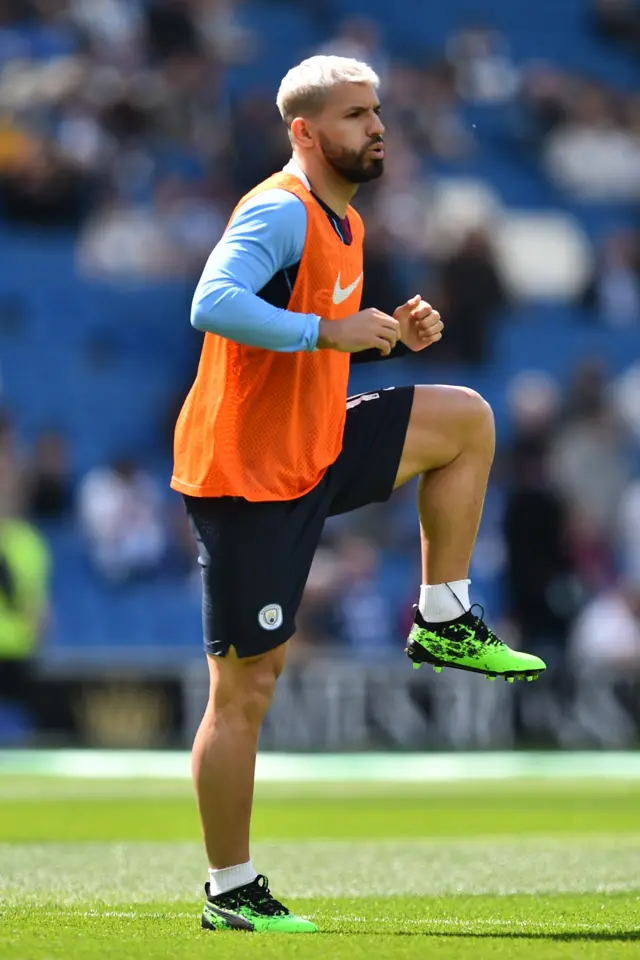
(226, 309)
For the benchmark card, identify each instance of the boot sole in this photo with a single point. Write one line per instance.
(418, 655)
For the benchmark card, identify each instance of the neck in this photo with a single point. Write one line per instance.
(327, 184)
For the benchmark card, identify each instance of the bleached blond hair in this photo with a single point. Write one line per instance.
(304, 90)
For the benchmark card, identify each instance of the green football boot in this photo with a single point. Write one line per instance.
(468, 644)
(251, 908)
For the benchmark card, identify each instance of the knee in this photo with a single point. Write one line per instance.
(475, 415)
(475, 404)
(256, 693)
(435, 405)
(246, 693)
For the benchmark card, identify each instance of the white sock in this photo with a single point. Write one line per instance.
(221, 881)
(440, 602)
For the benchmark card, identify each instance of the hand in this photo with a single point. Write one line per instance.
(361, 331)
(420, 324)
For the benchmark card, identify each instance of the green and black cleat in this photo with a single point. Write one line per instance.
(253, 909)
(468, 644)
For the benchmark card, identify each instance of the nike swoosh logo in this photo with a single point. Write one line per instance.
(234, 920)
(340, 294)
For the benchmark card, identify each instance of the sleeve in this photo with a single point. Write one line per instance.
(374, 355)
(266, 236)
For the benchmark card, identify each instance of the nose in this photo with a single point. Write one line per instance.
(377, 126)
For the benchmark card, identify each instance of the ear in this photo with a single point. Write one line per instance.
(300, 133)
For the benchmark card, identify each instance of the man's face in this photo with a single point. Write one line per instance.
(350, 132)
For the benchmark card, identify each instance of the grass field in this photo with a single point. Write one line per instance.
(519, 869)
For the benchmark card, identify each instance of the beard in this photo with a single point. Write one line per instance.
(355, 166)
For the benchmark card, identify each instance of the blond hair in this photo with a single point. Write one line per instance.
(304, 90)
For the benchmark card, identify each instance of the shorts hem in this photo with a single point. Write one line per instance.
(257, 651)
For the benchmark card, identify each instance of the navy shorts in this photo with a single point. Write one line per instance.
(256, 557)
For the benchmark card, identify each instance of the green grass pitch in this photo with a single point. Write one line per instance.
(507, 870)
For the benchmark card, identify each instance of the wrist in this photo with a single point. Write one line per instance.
(326, 341)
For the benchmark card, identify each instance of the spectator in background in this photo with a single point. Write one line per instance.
(45, 190)
(592, 155)
(543, 105)
(436, 121)
(628, 527)
(120, 513)
(366, 620)
(590, 468)
(230, 41)
(318, 621)
(619, 20)
(83, 140)
(256, 121)
(24, 576)
(381, 282)
(191, 113)
(625, 398)
(540, 583)
(113, 28)
(541, 588)
(485, 72)
(614, 290)
(591, 551)
(587, 392)
(533, 399)
(607, 632)
(170, 29)
(126, 242)
(323, 12)
(11, 471)
(590, 463)
(395, 210)
(471, 294)
(15, 146)
(633, 113)
(190, 220)
(170, 237)
(48, 479)
(360, 39)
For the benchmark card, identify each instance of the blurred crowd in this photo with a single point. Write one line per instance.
(116, 125)
(116, 122)
(565, 549)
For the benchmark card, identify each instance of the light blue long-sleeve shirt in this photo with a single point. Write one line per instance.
(267, 235)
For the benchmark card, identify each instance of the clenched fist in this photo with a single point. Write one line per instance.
(420, 324)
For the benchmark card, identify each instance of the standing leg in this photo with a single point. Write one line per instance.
(255, 559)
(224, 760)
(224, 757)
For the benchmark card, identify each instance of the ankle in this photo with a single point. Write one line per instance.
(229, 878)
(441, 602)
